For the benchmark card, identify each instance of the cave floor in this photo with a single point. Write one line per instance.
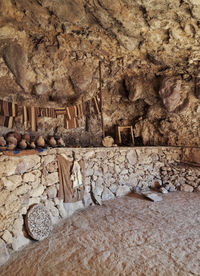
(124, 236)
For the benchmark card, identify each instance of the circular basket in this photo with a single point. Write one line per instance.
(38, 222)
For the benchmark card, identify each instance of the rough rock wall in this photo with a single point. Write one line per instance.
(50, 53)
(109, 173)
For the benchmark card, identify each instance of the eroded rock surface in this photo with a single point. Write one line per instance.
(130, 236)
(149, 51)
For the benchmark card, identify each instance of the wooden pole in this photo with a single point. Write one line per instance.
(101, 99)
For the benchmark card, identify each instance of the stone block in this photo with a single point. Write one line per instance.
(122, 190)
(186, 188)
(50, 179)
(48, 159)
(12, 182)
(107, 194)
(132, 157)
(51, 192)
(17, 226)
(26, 163)
(52, 167)
(29, 177)
(97, 192)
(89, 155)
(89, 172)
(4, 255)
(36, 192)
(3, 197)
(7, 237)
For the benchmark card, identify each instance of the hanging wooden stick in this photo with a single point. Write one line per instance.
(101, 100)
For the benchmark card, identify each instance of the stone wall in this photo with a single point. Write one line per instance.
(109, 173)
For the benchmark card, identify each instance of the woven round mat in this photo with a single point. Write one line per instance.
(38, 222)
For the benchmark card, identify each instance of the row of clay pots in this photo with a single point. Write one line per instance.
(14, 140)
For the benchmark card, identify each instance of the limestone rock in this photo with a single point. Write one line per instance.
(50, 179)
(51, 192)
(7, 237)
(4, 255)
(163, 190)
(97, 192)
(132, 157)
(27, 163)
(107, 194)
(122, 190)
(36, 192)
(152, 196)
(29, 177)
(12, 182)
(40, 89)
(187, 188)
(16, 60)
(17, 226)
(172, 93)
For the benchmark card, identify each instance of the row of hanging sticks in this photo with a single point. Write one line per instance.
(28, 115)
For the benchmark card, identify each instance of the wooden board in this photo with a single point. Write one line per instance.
(23, 152)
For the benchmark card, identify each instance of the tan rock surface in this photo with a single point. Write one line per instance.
(130, 236)
(50, 53)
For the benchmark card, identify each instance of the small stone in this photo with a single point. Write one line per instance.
(170, 187)
(50, 179)
(29, 177)
(87, 200)
(89, 172)
(4, 255)
(163, 190)
(107, 194)
(18, 226)
(7, 237)
(12, 182)
(132, 157)
(97, 192)
(187, 188)
(152, 196)
(37, 191)
(52, 192)
(122, 190)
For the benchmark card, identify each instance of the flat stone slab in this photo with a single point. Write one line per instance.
(152, 196)
(38, 222)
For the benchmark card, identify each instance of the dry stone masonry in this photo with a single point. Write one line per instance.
(109, 173)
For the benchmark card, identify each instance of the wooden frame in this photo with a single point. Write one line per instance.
(120, 129)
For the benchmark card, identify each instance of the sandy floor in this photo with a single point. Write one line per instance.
(126, 236)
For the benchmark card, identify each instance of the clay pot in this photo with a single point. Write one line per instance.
(52, 142)
(15, 134)
(23, 144)
(26, 137)
(11, 142)
(60, 142)
(32, 145)
(40, 142)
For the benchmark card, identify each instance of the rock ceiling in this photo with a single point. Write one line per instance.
(149, 53)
